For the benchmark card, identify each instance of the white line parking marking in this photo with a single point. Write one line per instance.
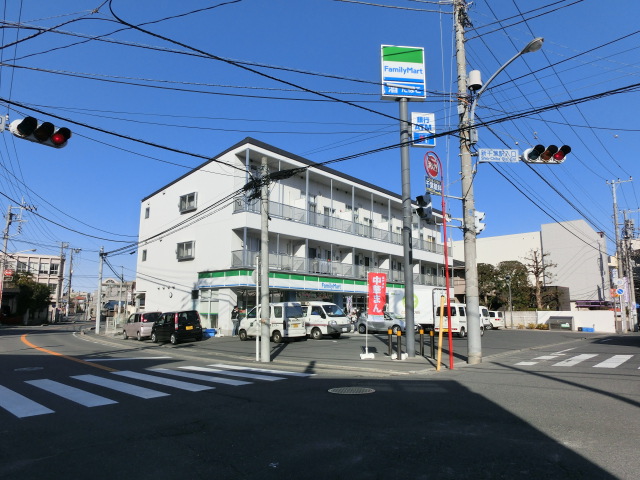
(19, 405)
(71, 393)
(123, 387)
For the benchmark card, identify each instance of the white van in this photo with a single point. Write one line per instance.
(286, 321)
(458, 320)
(324, 318)
(497, 319)
(485, 318)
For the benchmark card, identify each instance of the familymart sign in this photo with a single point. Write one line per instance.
(403, 73)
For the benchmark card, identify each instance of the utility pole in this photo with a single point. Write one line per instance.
(63, 245)
(5, 241)
(474, 345)
(620, 325)
(98, 298)
(73, 250)
(629, 263)
(265, 322)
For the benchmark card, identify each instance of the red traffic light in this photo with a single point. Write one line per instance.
(44, 133)
(563, 152)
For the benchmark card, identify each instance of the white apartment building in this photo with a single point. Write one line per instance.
(200, 238)
(578, 252)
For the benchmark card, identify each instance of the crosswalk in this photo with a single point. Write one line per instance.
(136, 384)
(595, 360)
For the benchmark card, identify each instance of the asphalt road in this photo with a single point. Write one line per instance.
(550, 405)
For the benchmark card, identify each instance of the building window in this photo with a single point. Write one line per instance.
(44, 269)
(55, 267)
(188, 202)
(147, 211)
(33, 266)
(144, 255)
(22, 266)
(53, 287)
(186, 250)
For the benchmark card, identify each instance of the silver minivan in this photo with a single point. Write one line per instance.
(380, 323)
(139, 324)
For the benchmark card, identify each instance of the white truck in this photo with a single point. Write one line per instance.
(458, 319)
(324, 318)
(425, 299)
(285, 319)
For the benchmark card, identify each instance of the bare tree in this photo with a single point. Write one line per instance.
(539, 268)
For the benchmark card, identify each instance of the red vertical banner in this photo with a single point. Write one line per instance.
(377, 293)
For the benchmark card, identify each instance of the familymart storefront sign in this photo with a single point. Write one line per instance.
(284, 281)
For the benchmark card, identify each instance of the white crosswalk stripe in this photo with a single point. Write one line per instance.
(19, 405)
(613, 361)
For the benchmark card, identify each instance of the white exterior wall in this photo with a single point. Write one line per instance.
(168, 283)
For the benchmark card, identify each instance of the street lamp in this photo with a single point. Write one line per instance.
(508, 279)
(467, 120)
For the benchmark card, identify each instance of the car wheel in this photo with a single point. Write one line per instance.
(276, 337)
(139, 337)
(173, 339)
(124, 335)
(154, 338)
(462, 333)
(395, 329)
(335, 335)
(482, 329)
(362, 328)
(316, 334)
(243, 335)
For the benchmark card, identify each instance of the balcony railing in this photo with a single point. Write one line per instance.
(247, 259)
(294, 214)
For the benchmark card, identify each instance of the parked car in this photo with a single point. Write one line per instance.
(286, 321)
(176, 327)
(324, 318)
(485, 319)
(497, 319)
(380, 323)
(139, 324)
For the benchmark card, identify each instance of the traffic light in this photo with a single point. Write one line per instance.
(542, 154)
(477, 221)
(425, 209)
(45, 133)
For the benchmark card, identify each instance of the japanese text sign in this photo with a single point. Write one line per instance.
(377, 293)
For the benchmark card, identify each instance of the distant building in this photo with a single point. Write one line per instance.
(578, 251)
(45, 269)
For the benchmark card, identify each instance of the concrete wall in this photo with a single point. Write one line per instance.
(602, 321)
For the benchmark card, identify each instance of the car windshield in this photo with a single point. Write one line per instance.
(294, 311)
(151, 317)
(333, 310)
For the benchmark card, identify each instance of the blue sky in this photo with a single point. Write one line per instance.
(106, 77)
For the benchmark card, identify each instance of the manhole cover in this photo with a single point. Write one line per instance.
(351, 390)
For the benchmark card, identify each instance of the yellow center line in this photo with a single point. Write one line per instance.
(51, 352)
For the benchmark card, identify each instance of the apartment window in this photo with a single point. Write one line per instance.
(186, 250)
(144, 255)
(188, 202)
(55, 268)
(147, 211)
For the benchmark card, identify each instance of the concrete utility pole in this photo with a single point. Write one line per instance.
(73, 250)
(407, 221)
(5, 242)
(99, 295)
(629, 263)
(474, 346)
(621, 326)
(265, 347)
(63, 245)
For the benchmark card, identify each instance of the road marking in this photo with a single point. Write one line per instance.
(614, 361)
(71, 393)
(135, 390)
(191, 387)
(526, 363)
(19, 405)
(263, 370)
(255, 376)
(51, 352)
(570, 362)
(205, 378)
(128, 358)
(547, 357)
